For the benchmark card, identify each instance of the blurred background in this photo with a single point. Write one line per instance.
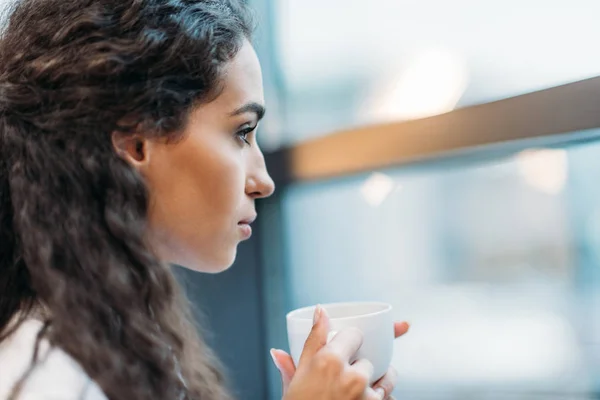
(485, 240)
(492, 256)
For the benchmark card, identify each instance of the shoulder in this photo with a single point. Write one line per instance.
(55, 376)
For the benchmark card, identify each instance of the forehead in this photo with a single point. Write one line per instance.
(241, 80)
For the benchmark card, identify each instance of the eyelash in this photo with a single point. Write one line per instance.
(242, 135)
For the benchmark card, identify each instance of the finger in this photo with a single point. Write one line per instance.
(400, 328)
(285, 364)
(363, 368)
(385, 386)
(346, 343)
(317, 338)
(370, 394)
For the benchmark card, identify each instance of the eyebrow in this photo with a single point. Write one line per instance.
(252, 107)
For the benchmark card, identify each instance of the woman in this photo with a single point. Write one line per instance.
(127, 142)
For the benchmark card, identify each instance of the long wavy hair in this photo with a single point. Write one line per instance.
(73, 214)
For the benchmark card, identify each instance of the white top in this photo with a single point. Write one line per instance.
(56, 376)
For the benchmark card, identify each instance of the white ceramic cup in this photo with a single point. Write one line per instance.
(374, 320)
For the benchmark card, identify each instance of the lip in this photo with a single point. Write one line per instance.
(245, 228)
(248, 221)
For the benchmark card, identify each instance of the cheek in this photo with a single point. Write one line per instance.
(196, 201)
(216, 180)
(221, 192)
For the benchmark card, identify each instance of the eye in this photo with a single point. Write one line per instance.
(243, 134)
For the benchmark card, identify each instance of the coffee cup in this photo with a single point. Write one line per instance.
(373, 319)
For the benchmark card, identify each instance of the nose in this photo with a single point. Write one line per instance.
(259, 183)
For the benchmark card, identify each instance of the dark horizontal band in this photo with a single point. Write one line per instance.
(550, 117)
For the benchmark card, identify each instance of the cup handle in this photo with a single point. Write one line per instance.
(331, 335)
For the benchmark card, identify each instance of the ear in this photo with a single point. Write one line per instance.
(132, 148)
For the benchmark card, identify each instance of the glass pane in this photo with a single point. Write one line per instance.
(496, 265)
(345, 63)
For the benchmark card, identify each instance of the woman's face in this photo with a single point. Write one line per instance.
(204, 186)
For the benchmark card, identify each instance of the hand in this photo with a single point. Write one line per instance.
(382, 389)
(324, 371)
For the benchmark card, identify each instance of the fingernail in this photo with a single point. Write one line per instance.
(380, 392)
(317, 316)
(274, 359)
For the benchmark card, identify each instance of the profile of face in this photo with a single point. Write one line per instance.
(203, 186)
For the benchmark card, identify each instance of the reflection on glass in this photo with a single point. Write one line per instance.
(377, 188)
(432, 84)
(545, 170)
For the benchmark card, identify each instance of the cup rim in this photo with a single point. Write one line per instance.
(386, 307)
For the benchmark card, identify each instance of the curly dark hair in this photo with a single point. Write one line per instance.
(73, 214)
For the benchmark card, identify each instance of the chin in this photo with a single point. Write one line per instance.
(213, 266)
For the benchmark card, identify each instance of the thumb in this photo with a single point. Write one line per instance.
(400, 328)
(318, 335)
(285, 364)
